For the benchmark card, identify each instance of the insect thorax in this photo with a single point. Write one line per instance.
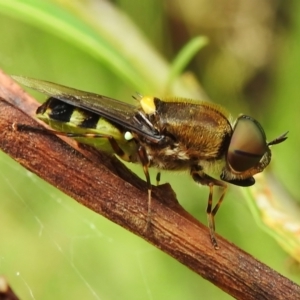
(194, 134)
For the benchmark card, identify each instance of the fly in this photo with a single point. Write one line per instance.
(175, 134)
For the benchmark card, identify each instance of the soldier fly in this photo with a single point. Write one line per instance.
(168, 134)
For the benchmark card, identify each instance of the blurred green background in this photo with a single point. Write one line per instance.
(53, 248)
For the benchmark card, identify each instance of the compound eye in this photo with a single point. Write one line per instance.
(247, 145)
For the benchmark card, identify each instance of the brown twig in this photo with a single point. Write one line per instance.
(109, 189)
(6, 293)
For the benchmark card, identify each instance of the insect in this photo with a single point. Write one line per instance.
(168, 134)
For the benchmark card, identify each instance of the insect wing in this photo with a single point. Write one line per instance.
(119, 112)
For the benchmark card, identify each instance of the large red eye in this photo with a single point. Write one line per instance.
(247, 145)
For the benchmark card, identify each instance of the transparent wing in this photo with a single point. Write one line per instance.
(114, 110)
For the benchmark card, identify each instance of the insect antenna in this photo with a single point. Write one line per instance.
(279, 139)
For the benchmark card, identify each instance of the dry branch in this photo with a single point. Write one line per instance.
(104, 185)
(6, 293)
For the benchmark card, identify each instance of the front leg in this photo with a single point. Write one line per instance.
(200, 177)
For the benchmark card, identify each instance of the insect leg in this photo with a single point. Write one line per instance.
(145, 163)
(158, 175)
(117, 149)
(204, 179)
